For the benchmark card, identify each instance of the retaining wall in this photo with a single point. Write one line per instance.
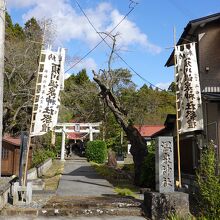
(5, 185)
(40, 170)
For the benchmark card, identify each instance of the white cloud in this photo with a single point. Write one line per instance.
(89, 64)
(71, 24)
(163, 85)
(131, 34)
(67, 75)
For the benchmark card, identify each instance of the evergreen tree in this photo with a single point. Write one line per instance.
(21, 64)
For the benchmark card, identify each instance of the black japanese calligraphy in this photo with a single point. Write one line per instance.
(167, 166)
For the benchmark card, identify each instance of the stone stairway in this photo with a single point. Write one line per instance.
(82, 193)
(80, 206)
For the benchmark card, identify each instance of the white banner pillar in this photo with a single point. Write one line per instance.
(188, 89)
(63, 144)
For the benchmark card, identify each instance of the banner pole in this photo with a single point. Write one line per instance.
(30, 130)
(26, 160)
(32, 115)
(179, 183)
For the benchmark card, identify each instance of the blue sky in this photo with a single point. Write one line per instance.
(143, 36)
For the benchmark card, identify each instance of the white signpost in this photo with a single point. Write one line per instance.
(50, 80)
(46, 99)
(188, 89)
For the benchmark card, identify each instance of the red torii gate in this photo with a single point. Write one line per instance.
(78, 128)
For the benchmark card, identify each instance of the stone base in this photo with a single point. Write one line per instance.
(161, 205)
(38, 184)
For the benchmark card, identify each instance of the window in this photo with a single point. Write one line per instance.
(5, 153)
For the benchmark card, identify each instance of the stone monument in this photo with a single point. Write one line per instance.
(165, 201)
(164, 164)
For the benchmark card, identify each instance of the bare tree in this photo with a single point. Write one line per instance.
(104, 79)
(21, 63)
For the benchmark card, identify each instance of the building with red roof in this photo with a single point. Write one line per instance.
(11, 155)
(149, 131)
(12, 140)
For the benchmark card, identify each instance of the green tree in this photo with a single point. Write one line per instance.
(172, 87)
(79, 99)
(33, 31)
(148, 106)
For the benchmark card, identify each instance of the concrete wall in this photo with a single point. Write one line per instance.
(5, 186)
(34, 173)
(40, 170)
(209, 55)
(209, 69)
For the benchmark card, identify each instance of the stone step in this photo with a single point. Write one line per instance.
(99, 211)
(93, 202)
(80, 207)
(31, 212)
(37, 184)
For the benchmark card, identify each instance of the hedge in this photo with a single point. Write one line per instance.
(96, 151)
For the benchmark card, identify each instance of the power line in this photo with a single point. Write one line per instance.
(185, 11)
(103, 39)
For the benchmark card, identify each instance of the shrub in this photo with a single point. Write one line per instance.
(128, 168)
(96, 151)
(148, 171)
(209, 184)
(41, 154)
(148, 168)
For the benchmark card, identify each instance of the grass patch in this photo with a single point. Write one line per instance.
(107, 172)
(52, 176)
(119, 177)
(125, 192)
(176, 217)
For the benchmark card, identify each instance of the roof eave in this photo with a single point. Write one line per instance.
(188, 36)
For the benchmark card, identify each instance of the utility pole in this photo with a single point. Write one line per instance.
(2, 57)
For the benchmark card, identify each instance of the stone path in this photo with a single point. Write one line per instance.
(80, 179)
(75, 218)
(82, 194)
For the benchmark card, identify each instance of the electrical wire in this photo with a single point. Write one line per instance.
(103, 39)
(123, 60)
(185, 11)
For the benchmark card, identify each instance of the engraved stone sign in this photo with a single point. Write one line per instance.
(164, 164)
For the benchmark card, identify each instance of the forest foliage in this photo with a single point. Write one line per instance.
(80, 102)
